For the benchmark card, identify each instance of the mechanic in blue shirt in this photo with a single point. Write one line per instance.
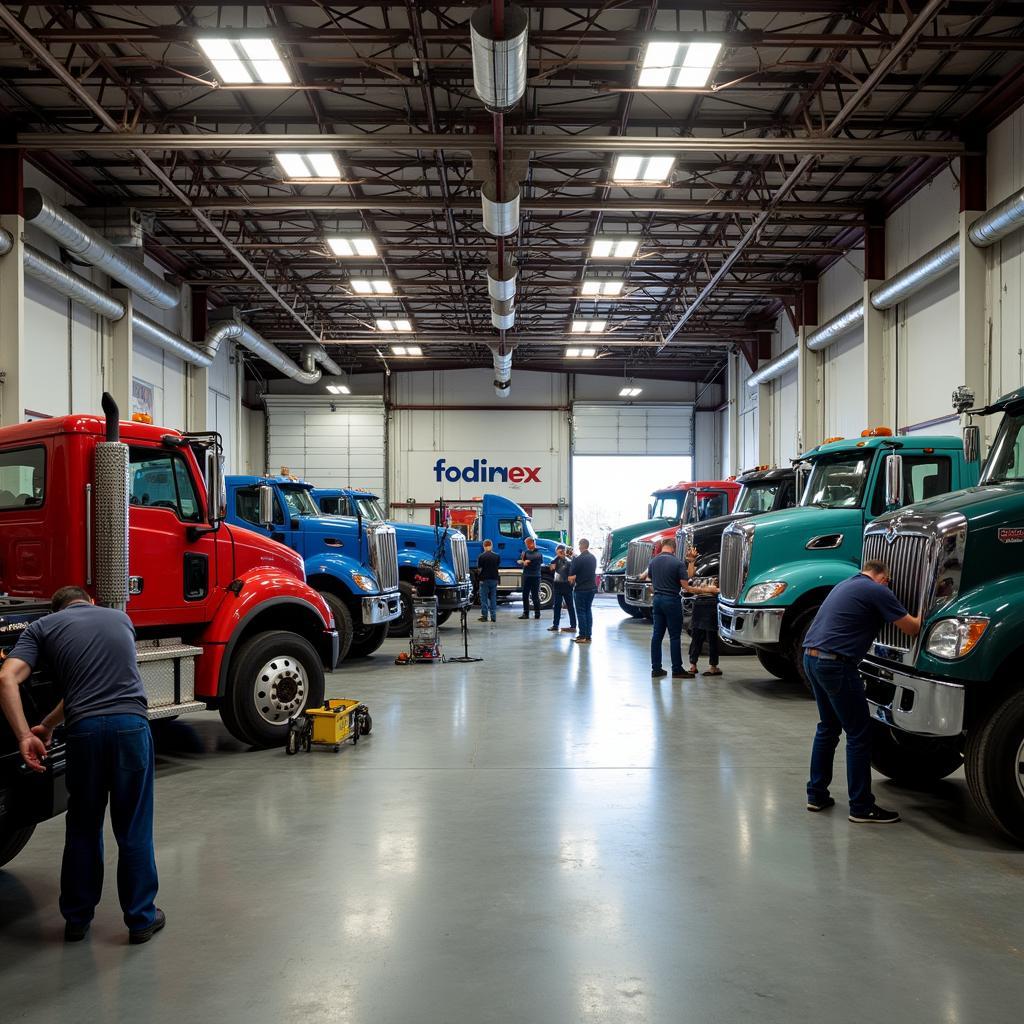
(90, 653)
(840, 635)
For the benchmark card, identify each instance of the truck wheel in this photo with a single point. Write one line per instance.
(777, 664)
(342, 623)
(443, 617)
(13, 840)
(796, 648)
(273, 677)
(630, 609)
(995, 766)
(913, 760)
(368, 639)
(547, 594)
(402, 626)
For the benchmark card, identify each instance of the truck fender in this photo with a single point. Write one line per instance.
(262, 590)
(804, 576)
(341, 568)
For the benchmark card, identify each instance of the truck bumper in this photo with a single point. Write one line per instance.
(334, 647)
(639, 594)
(911, 702)
(26, 797)
(613, 584)
(453, 598)
(381, 608)
(755, 627)
(510, 580)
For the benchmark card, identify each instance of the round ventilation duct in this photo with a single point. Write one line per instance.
(499, 65)
(501, 288)
(500, 218)
(503, 321)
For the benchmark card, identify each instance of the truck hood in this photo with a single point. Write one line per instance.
(622, 535)
(993, 505)
(254, 551)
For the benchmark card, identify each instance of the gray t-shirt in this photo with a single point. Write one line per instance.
(90, 652)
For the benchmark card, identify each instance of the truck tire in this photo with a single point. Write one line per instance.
(775, 663)
(632, 610)
(13, 840)
(547, 594)
(367, 639)
(795, 652)
(443, 617)
(273, 677)
(994, 766)
(342, 623)
(913, 760)
(402, 626)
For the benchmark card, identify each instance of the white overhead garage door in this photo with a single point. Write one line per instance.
(641, 429)
(344, 447)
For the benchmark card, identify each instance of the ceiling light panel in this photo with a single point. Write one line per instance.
(678, 65)
(246, 61)
(629, 392)
(588, 326)
(598, 287)
(580, 353)
(646, 169)
(395, 325)
(309, 166)
(352, 246)
(604, 248)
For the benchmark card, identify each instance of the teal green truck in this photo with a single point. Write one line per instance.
(955, 694)
(776, 569)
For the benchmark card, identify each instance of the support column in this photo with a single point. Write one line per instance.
(810, 390)
(971, 331)
(764, 425)
(12, 322)
(734, 397)
(120, 357)
(874, 322)
(198, 377)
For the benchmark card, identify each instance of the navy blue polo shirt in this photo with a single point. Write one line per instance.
(666, 572)
(533, 559)
(851, 616)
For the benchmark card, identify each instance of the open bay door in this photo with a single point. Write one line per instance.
(612, 428)
(328, 442)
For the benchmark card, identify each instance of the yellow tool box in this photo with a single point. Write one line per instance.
(329, 726)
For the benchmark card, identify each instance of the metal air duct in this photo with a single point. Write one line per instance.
(829, 332)
(502, 371)
(1003, 219)
(776, 368)
(111, 512)
(6, 242)
(258, 346)
(67, 282)
(500, 218)
(503, 321)
(500, 287)
(313, 354)
(157, 334)
(499, 65)
(80, 240)
(932, 265)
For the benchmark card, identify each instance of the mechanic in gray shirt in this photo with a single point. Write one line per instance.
(90, 653)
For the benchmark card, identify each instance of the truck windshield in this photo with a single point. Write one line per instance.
(759, 497)
(838, 481)
(1005, 461)
(299, 501)
(671, 506)
(369, 509)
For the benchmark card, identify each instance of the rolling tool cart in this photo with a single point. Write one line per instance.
(424, 645)
(329, 726)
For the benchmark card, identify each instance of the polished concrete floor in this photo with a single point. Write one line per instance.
(545, 836)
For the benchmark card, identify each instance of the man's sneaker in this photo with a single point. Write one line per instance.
(876, 816)
(552, 629)
(658, 673)
(483, 618)
(568, 629)
(145, 934)
(75, 932)
(524, 616)
(683, 674)
(822, 805)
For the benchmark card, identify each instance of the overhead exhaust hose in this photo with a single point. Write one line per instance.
(111, 511)
(235, 330)
(502, 371)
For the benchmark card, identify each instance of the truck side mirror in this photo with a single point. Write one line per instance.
(650, 510)
(893, 481)
(216, 488)
(266, 505)
(972, 443)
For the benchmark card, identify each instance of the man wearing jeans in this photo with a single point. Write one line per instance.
(489, 564)
(531, 560)
(840, 636)
(90, 652)
(583, 579)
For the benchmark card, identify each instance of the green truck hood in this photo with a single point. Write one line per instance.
(993, 505)
(622, 535)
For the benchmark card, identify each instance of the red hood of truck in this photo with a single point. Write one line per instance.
(254, 551)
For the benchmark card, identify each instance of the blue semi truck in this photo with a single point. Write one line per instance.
(441, 549)
(351, 561)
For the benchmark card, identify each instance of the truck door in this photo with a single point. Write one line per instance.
(247, 512)
(509, 539)
(171, 560)
(924, 476)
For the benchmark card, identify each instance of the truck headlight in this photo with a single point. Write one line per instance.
(367, 583)
(761, 592)
(443, 576)
(619, 563)
(954, 638)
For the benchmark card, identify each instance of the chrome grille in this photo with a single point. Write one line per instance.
(460, 555)
(906, 555)
(638, 558)
(731, 569)
(384, 557)
(606, 555)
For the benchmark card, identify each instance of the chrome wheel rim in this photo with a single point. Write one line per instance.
(279, 692)
(546, 593)
(1020, 768)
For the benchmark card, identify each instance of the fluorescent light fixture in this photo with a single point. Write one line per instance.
(598, 287)
(403, 325)
(630, 392)
(339, 389)
(406, 350)
(613, 248)
(580, 353)
(648, 169)
(395, 325)
(246, 61)
(588, 326)
(361, 286)
(309, 166)
(678, 65)
(352, 246)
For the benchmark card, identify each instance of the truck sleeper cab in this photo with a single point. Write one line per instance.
(777, 568)
(350, 561)
(444, 550)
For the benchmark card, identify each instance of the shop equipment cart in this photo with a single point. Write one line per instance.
(329, 726)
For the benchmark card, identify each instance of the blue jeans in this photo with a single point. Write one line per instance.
(842, 707)
(109, 757)
(584, 600)
(565, 595)
(489, 599)
(668, 615)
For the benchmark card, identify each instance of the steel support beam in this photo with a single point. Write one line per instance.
(121, 354)
(12, 322)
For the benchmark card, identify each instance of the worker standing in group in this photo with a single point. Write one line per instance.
(489, 565)
(562, 590)
(91, 653)
(839, 637)
(704, 624)
(531, 560)
(583, 578)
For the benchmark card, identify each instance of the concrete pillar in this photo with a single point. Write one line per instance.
(734, 397)
(875, 394)
(764, 426)
(810, 393)
(197, 413)
(971, 330)
(120, 356)
(12, 322)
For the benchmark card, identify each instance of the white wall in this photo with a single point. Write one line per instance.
(783, 411)
(842, 363)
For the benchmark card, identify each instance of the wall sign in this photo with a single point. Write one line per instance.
(480, 471)
(142, 399)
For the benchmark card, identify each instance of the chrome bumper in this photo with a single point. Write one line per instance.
(613, 584)
(639, 594)
(751, 626)
(382, 608)
(454, 597)
(929, 707)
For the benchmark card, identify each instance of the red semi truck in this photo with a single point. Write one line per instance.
(223, 616)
